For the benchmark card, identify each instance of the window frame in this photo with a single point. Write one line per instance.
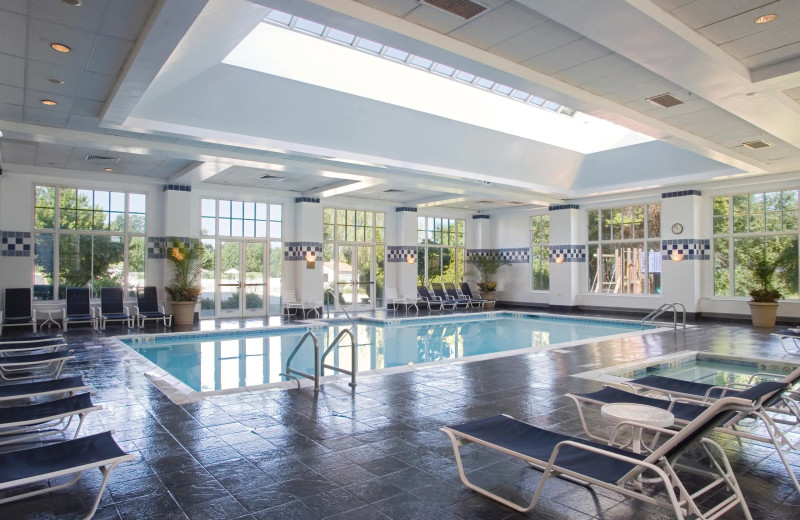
(539, 246)
(426, 240)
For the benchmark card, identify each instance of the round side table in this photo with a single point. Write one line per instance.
(640, 413)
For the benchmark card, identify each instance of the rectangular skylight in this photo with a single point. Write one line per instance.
(485, 83)
(395, 54)
(519, 94)
(466, 77)
(419, 61)
(308, 26)
(341, 36)
(503, 89)
(445, 70)
(369, 45)
(279, 17)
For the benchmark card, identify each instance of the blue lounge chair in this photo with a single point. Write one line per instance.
(18, 309)
(21, 468)
(45, 419)
(592, 463)
(27, 347)
(761, 397)
(785, 336)
(438, 290)
(466, 292)
(56, 387)
(433, 301)
(30, 338)
(42, 366)
(78, 308)
(112, 308)
(147, 307)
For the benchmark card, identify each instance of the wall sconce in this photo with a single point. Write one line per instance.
(676, 256)
(311, 260)
(411, 259)
(559, 259)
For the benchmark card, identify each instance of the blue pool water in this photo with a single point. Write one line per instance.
(717, 371)
(223, 360)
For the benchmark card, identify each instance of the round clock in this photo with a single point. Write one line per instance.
(677, 228)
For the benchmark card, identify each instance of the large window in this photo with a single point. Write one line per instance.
(540, 253)
(440, 249)
(749, 228)
(625, 250)
(93, 238)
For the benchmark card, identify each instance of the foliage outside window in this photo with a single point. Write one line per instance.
(350, 237)
(93, 238)
(750, 228)
(540, 253)
(625, 250)
(440, 250)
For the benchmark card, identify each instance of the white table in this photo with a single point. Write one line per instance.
(639, 413)
(50, 321)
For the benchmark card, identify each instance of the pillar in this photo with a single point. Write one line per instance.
(684, 245)
(567, 255)
(401, 258)
(307, 276)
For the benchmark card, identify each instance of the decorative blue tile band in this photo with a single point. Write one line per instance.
(296, 251)
(479, 217)
(570, 252)
(512, 255)
(16, 243)
(556, 207)
(690, 248)
(683, 193)
(400, 253)
(177, 187)
(157, 246)
(315, 200)
(405, 208)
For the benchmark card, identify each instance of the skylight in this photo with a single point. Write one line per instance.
(375, 71)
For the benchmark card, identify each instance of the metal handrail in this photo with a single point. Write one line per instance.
(290, 370)
(334, 343)
(651, 317)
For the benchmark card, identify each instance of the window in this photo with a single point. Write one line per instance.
(94, 238)
(748, 228)
(625, 250)
(440, 251)
(233, 218)
(540, 253)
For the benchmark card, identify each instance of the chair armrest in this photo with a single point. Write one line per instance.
(136, 309)
(163, 309)
(127, 310)
(33, 315)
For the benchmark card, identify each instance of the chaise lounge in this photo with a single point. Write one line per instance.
(18, 310)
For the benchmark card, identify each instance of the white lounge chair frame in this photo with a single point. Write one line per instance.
(12, 433)
(13, 369)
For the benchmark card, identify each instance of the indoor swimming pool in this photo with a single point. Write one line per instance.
(222, 360)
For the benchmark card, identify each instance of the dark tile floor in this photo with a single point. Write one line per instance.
(374, 452)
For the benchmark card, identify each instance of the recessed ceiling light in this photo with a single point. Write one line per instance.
(49, 102)
(73, 3)
(60, 47)
(108, 169)
(766, 18)
(55, 81)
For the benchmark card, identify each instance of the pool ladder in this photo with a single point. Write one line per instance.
(651, 318)
(319, 362)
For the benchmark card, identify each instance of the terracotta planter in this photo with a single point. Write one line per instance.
(490, 297)
(183, 313)
(763, 314)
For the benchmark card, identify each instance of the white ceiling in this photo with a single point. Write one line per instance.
(144, 83)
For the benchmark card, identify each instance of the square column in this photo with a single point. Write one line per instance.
(17, 247)
(401, 253)
(684, 245)
(181, 220)
(567, 255)
(308, 235)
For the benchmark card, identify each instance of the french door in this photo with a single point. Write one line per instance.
(242, 287)
(354, 273)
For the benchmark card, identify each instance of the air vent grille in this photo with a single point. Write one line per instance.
(462, 8)
(392, 190)
(665, 100)
(271, 177)
(515, 202)
(754, 145)
(483, 202)
(102, 159)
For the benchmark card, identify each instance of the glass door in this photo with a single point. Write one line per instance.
(241, 279)
(355, 279)
(364, 278)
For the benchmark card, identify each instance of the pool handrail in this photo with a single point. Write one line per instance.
(651, 317)
(334, 343)
(289, 370)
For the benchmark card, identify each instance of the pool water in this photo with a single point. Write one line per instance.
(710, 372)
(219, 361)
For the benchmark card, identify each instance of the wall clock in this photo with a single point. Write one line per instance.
(677, 228)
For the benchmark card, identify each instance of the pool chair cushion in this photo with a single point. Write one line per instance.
(40, 388)
(152, 314)
(30, 338)
(79, 317)
(67, 405)
(115, 316)
(54, 343)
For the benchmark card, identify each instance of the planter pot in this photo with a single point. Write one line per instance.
(183, 313)
(490, 297)
(763, 313)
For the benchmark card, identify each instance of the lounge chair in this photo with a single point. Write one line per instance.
(28, 347)
(42, 366)
(432, 300)
(147, 307)
(439, 291)
(78, 308)
(475, 303)
(30, 338)
(761, 397)
(18, 310)
(592, 463)
(290, 303)
(393, 300)
(466, 292)
(789, 334)
(23, 467)
(45, 419)
(56, 387)
(112, 308)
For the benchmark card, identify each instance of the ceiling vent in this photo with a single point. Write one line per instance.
(665, 100)
(392, 190)
(101, 159)
(271, 177)
(515, 202)
(483, 202)
(755, 145)
(462, 8)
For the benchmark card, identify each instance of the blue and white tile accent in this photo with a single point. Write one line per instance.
(691, 248)
(315, 200)
(400, 253)
(177, 187)
(16, 243)
(683, 193)
(570, 252)
(405, 208)
(296, 251)
(556, 207)
(157, 246)
(479, 217)
(512, 255)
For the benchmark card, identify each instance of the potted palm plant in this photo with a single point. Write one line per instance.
(764, 303)
(185, 258)
(487, 267)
